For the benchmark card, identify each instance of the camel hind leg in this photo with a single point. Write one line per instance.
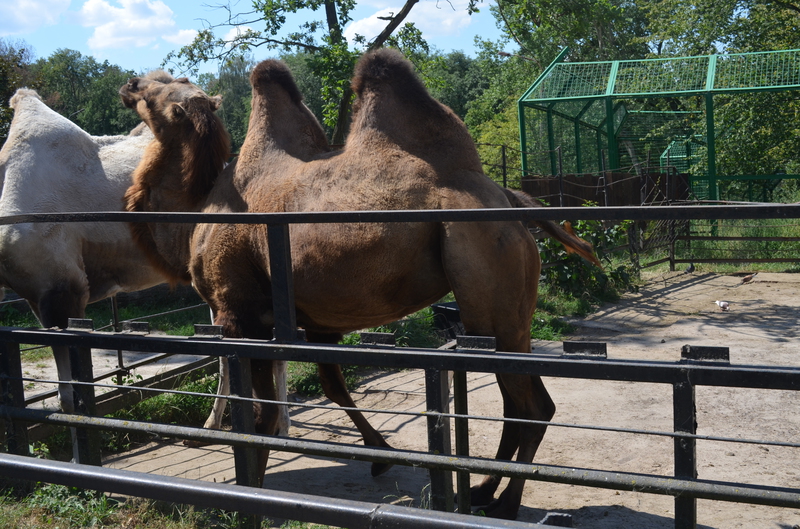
(494, 270)
(54, 309)
(334, 386)
(214, 421)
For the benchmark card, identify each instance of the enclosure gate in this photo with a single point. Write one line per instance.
(699, 366)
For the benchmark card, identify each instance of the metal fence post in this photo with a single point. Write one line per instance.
(245, 458)
(685, 421)
(465, 344)
(85, 442)
(280, 266)
(15, 433)
(560, 177)
(438, 397)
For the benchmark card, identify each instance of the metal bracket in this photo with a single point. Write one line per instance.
(705, 354)
(593, 350)
(482, 343)
(385, 339)
(79, 324)
(207, 331)
(137, 327)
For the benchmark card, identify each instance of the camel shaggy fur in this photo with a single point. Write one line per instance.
(405, 151)
(48, 164)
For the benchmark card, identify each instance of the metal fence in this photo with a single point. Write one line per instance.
(699, 367)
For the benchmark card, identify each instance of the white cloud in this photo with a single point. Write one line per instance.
(434, 18)
(182, 37)
(26, 16)
(131, 24)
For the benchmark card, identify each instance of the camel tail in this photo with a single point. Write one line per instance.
(566, 236)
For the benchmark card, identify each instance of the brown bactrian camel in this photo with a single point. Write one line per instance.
(405, 151)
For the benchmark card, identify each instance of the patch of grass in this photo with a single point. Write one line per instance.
(75, 507)
(548, 327)
(165, 408)
(415, 330)
(303, 378)
(51, 505)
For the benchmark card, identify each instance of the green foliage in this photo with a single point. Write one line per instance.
(73, 506)
(334, 64)
(576, 277)
(548, 327)
(59, 506)
(165, 408)
(416, 330)
(85, 91)
(303, 378)
(455, 80)
(308, 82)
(15, 59)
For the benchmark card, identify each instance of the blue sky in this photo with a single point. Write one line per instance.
(138, 34)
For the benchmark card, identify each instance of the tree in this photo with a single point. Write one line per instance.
(455, 79)
(233, 84)
(15, 60)
(331, 57)
(595, 30)
(85, 91)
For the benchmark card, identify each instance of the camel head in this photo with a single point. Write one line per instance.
(169, 105)
(187, 131)
(180, 165)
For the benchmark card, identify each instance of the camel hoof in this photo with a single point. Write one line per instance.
(479, 499)
(380, 468)
(501, 510)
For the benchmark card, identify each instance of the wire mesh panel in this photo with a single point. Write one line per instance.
(661, 76)
(574, 80)
(757, 70)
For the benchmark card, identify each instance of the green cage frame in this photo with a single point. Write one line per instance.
(592, 95)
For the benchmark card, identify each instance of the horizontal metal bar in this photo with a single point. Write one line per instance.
(653, 484)
(264, 502)
(343, 409)
(756, 211)
(764, 377)
(108, 374)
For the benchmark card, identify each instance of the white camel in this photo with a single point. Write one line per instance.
(49, 164)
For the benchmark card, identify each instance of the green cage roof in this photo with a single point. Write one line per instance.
(749, 72)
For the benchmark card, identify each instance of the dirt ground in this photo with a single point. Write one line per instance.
(671, 310)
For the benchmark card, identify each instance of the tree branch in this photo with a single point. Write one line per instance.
(787, 5)
(392, 25)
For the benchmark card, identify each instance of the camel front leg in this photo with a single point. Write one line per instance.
(335, 389)
(64, 369)
(214, 421)
(284, 421)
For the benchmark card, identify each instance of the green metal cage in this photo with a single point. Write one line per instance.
(621, 115)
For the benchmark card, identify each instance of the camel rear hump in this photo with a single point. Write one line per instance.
(393, 102)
